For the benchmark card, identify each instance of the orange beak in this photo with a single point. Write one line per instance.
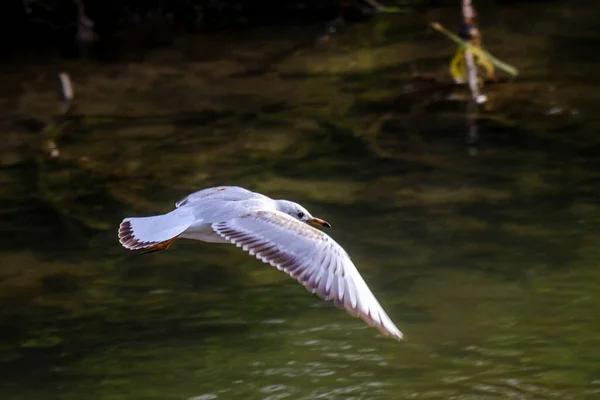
(319, 223)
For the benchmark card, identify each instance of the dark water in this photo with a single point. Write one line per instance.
(488, 263)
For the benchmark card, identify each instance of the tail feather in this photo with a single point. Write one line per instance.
(153, 233)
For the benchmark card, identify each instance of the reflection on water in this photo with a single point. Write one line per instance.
(488, 264)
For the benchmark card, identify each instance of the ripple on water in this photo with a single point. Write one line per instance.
(207, 396)
(277, 392)
(350, 392)
(312, 369)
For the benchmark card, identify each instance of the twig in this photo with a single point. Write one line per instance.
(65, 91)
(476, 96)
(473, 32)
(509, 69)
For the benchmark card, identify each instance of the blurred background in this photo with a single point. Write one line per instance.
(475, 225)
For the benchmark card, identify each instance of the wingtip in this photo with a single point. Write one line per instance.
(399, 336)
(130, 242)
(126, 235)
(393, 333)
(382, 323)
(391, 329)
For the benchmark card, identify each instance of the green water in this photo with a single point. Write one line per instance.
(488, 263)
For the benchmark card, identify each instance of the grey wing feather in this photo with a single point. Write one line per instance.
(229, 193)
(310, 256)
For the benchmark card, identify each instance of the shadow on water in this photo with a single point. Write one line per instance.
(486, 262)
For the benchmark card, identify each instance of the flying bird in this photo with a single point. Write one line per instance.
(278, 232)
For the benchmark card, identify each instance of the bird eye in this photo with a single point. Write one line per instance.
(300, 214)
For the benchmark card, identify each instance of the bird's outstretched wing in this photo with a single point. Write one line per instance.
(310, 256)
(229, 193)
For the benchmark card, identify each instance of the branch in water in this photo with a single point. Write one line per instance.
(509, 69)
(65, 91)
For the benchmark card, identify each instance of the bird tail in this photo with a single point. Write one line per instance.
(154, 233)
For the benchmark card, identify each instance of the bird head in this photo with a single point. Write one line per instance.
(295, 210)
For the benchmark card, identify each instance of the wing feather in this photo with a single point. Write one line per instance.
(228, 193)
(311, 257)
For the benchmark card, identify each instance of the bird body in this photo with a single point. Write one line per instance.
(278, 232)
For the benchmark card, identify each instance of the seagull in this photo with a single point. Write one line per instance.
(278, 232)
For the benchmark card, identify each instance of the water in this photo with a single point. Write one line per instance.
(487, 263)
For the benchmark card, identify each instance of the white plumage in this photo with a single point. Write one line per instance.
(276, 232)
